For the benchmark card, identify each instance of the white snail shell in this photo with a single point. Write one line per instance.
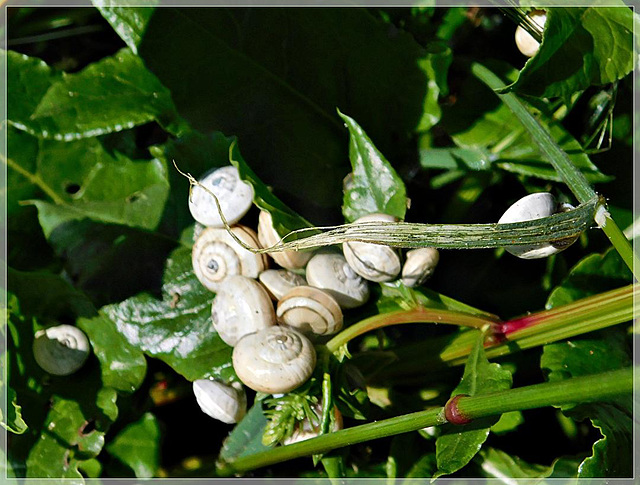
(525, 42)
(310, 310)
(276, 359)
(61, 350)
(374, 262)
(331, 273)
(530, 207)
(308, 429)
(234, 195)
(216, 255)
(268, 236)
(280, 281)
(224, 403)
(419, 265)
(241, 306)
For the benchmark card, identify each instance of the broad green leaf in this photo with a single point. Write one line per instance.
(457, 445)
(374, 186)
(424, 467)
(281, 86)
(496, 463)
(113, 94)
(436, 66)
(581, 47)
(176, 329)
(138, 446)
(612, 454)
(128, 18)
(593, 274)
(508, 422)
(246, 437)
(404, 452)
(84, 181)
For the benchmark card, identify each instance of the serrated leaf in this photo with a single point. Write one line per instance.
(138, 446)
(593, 274)
(178, 328)
(375, 186)
(246, 437)
(457, 445)
(581, 47)
(128, 18)
(496, 463)
(113, 94)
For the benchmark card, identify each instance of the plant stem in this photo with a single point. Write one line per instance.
(415, 315)
(34, 179)
(569, 173)
(591, 388)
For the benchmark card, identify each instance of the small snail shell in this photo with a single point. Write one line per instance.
(279, 281)
(307, 429)
(373, 262)
(234, 195)
(525, 42)
(61, 350)
(310, 310)
(216, 255)
(268, 236)
(221, 402)
(530, 207)
(332, 273)
(241, 306)
(276, 359)
(419, 265)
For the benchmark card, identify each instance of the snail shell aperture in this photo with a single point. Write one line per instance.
(61, 350)
(310, 310)
(419, 265)
(268, 236)
(224, 403)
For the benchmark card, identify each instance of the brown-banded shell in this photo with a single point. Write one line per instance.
(216, 255)
(310, 310)
(268, 236)
(220, 401)
(276, 359)
(280, 281)
(241, 306)
(61, 350)
(331, 273)
(419, 265)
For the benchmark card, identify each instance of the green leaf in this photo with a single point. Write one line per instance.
(457, 445)
(128, 18)
(404, 452)
(138, 446)
(113, 94)
(612, 454)
(495, 463)
(13, 421)
(581, 46)
(246, 437)
(176, 329)
(279, 103)
(593, 274)
(424, 467)
(508, 422)
(375, 185)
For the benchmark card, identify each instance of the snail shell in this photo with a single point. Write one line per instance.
(525, 42)
(374, 262)
(307, 429)
(310, 310)
(216, 255)
(275, 359)
(221, 402)
(280, 281)
(234, 195)
(530, 207)
(332, 273)
(268, 236)
(61, 350)
(419, 265)
(241, 306)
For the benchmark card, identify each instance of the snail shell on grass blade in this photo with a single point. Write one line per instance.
(276, 359)
(310, 310)
(268, 236)
(524, 41)
(61, 350)
(216, 255)
(221, 402)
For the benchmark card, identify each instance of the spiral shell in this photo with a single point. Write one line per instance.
(268, 236)
(61, 350)
(374, 262)
(216, 255)
(241, 306)
(224, 403)
(332, 273)
(234, 195)
(280, 281)
(310, 310)
(419, 265)
(276, 359)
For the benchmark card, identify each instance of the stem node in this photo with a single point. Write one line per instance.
(453, 414)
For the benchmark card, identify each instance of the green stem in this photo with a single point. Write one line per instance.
(415, 315)
(34, 179)
(569, 173)
(591, 388)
